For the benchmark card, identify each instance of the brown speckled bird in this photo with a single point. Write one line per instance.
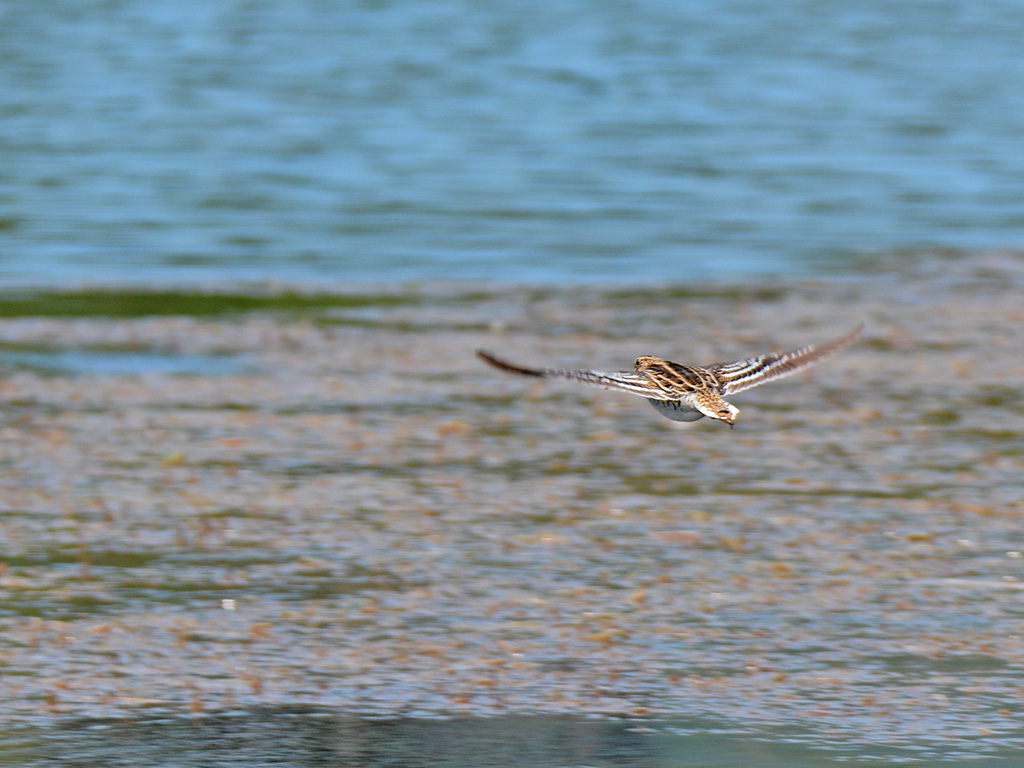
(691, 392)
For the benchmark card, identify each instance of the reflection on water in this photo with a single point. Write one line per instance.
(275, 738)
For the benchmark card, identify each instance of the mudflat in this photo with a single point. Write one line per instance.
(322, 499)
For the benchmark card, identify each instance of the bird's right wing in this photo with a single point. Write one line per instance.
(627, 381)
(744, 374)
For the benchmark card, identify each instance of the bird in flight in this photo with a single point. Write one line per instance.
(690, 392)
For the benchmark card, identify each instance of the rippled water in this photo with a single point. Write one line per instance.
(601, 140)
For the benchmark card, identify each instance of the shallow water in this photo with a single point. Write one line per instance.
(311, 738)
(116, 362)
(369, 523)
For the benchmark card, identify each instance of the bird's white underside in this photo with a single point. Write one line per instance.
(676, 410)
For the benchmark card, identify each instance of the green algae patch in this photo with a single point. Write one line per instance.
(148, 303)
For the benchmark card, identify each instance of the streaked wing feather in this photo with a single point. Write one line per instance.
(744, 374)
(627, 381)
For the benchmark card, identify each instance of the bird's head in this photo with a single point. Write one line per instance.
(727, 413)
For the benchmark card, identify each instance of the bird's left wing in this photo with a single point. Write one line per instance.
(744, 374)
(628, 381)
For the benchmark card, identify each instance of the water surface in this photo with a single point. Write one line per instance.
(590, 140)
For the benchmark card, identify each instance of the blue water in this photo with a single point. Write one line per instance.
(600, 140)
(117, 362)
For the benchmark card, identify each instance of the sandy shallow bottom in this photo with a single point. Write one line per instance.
(342, 510)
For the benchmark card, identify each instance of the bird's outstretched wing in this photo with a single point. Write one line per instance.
(628, 381)
(744, 374)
